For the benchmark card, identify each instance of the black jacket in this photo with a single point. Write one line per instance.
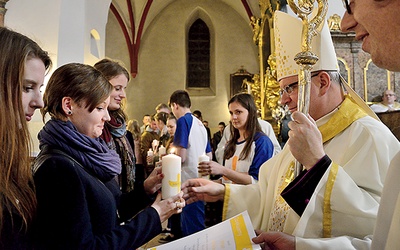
(77, 211)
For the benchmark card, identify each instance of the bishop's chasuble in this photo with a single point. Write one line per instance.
(342, 210)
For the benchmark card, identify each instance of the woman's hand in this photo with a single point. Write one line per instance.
(202, 189)
(210, 167)
(170, 206)
(153, 181)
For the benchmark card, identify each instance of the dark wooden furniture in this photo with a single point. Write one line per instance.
(392, 121)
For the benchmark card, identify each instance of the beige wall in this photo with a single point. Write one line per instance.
(162, 59)
(63, 28)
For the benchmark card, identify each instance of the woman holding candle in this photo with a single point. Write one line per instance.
(248, 148)
(114, 131)
(80, 205)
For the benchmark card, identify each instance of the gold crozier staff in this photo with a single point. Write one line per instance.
(306, 58)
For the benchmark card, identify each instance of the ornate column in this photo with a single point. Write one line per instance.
(3, 11)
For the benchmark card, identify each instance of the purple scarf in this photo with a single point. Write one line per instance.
(92, 154)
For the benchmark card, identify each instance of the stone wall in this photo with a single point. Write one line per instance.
(356, 67)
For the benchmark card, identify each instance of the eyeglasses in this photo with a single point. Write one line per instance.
(347, 6)
(290, 87)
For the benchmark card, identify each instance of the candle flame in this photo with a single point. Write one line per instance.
(172, 151)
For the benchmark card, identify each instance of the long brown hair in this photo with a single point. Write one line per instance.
(110, 69)
(252, 126)
(17, 194)
(134, 127)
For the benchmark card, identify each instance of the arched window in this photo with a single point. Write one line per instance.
(198, 68)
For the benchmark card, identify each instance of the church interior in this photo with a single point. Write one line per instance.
(211, 48)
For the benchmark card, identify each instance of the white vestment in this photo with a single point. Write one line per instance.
(387, 230)
(343, 208)
(380, 107)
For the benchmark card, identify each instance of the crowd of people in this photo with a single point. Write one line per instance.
(95, 185)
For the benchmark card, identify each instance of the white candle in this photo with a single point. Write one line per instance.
(150, 153)
(204, 157)
(154, 144)
(162, 151)
(171, 168)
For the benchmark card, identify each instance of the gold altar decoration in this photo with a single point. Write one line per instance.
(264, 87)
(272, 97)
(254, 88)
(272, 91)
(334, 22)
(306, 58)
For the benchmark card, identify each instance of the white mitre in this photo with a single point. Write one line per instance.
(288, 44)
(287, 31)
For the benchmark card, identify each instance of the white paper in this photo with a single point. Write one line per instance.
(234, 233)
